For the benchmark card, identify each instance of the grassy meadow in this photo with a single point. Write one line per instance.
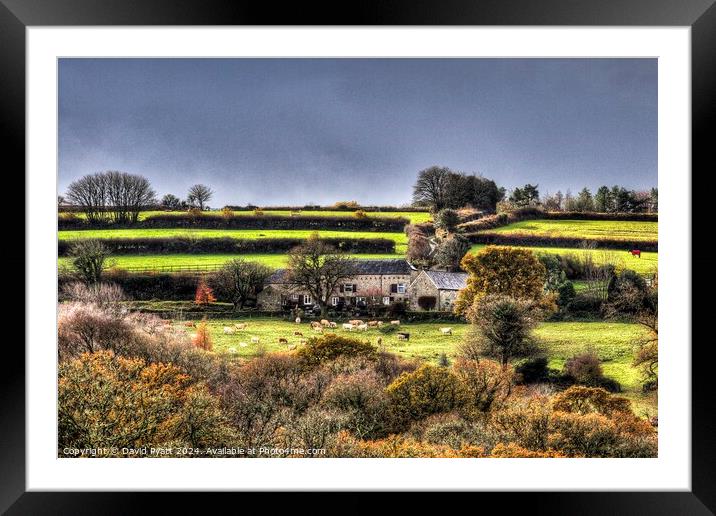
(628, 231)
(613, 342)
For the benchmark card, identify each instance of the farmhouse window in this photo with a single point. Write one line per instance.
(335, 300)
(348, 287)
(307, 300)
(360, 299)
(393, 288)
(294, 297)
(386, 300)
(401, 288)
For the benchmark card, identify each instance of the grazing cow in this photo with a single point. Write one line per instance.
(348, 326)
(240, 326)
(446, 331)
(243, 344)
(228, 330)
(325, 322)
(298, 334)
(362, 327)
(254, 340)
(395, 323)
(292, 347)
(282, 340)
(373, 324)
(636, 252)
(332, 324)
(298, 320)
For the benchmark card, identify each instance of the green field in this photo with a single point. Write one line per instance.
(647, 264)
(415, 217)
(612, 341)
(587, 229)
(158, 261)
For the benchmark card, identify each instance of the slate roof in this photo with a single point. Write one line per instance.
(363, 268)
(448, 280)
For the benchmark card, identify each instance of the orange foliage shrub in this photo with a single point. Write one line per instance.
(204, 294)
(202, 338)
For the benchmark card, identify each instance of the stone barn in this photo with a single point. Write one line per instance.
(436, 290)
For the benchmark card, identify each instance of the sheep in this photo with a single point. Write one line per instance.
(298, 320)
(446, 331)
(332, 325)
(355, 322)
(318, 329)
(325, 322)
(282, 340)
(401, 336)
(240, 326)
(380, 323)
(243, 344)
(292, 347)
(348, 326)
(362, 327)
(297, 334)
(316, 325)
(189, 324)
(373, 324)
(229, 330)
(254, 340)
(395, 323)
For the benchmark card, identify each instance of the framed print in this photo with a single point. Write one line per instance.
(414, 250)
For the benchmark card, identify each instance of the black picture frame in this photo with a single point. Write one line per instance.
(700, 15)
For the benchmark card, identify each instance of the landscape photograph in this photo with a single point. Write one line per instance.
(357, 258)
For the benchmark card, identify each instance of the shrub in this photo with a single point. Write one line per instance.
(447, 220)
(419, 250)
(361, 398)
(360, 214)
(585, 369)
(587, 400)
(202, 338)
(332, 346)
(109, 401)
(525, 421)
(488, 384)
(397, 309)
(204, 294)
(102, 294)
(451, 251)
(89, 259)
(533, 371)
(426, 391)
(515, 451)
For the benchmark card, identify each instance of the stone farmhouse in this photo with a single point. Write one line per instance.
(436, 290)
(376, 282)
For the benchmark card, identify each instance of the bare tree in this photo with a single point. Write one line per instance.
(127, 194)
(240, 280)
(90, 194)
(319, 269)
(431, 188)
(199, 195)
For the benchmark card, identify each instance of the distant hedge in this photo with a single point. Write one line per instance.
(305, 222)
(577, 215)
(388, 209)
(547, 241)
(184, 245)
(148, 286)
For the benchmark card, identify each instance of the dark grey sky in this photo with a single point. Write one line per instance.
(293, 131)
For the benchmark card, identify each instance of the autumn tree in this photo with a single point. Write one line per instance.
(204, 293)
(318, 268)
(199, 195)
(240, 280)
(202, 338)
(507, 271)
